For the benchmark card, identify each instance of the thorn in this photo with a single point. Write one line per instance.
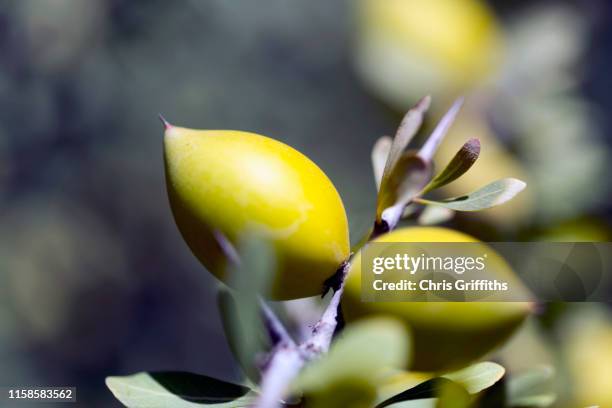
(166, 124)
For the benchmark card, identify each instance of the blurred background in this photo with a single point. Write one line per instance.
(94, 277)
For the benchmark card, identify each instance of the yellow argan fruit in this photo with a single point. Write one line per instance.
(587, 336)
(409, 48)
(237, 183)
(446, 335)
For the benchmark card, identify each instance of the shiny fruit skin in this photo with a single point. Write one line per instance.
(239, 183)
(446, 335)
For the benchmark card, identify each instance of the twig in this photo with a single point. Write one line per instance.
(276, 330)
(287, 359)
(324, 330)
(284, 365)
(286, 362)
(431, 145)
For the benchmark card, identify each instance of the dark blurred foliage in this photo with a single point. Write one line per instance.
(94, 277)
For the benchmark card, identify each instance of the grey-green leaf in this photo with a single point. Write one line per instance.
(243, 330)
(240, 309)
(407, 129)
(425, 390)
(405, 181)
(358, 355)
(534, 388)
(473, 379)
(491, 195)
(380, 153)
(432, 215)
(178, 390)
(460, 163)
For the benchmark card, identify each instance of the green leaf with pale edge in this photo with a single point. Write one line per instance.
(380, 154)
(357, 356)
(240, 308)
(245, 335)
(432, 215)
(533, 388)
(461, 163)
(425, 390)
(477, 377)
(392, 176)
(405, 181)
(178, 390)
(473, 379)
(407, 129)
(488, 196)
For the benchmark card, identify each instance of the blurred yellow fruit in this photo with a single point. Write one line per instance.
(586, 346)
(237, 183)
(408, 48)
(446, 335)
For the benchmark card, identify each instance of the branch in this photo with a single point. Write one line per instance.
(277, 332)
(286, 361)
(431, 145)
(284, 365)
(324, 329)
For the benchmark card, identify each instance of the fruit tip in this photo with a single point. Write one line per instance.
(166, 124)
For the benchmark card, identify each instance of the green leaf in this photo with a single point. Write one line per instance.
(477, 377)
(380, 154)
(358, 355)
(488, 196)
(251, 276)
(432, 215)
(392, 176)
(405, 181)
(243, 330)
(453, 395)
(473, 379)
(178, 390)
(534, 388)
(240, 308)
(349, 393)
(461, 163)
(407, 129)
(425, 390)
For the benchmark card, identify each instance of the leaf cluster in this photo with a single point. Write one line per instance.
(404, 176)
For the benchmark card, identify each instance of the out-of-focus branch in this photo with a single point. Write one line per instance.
(276, 330)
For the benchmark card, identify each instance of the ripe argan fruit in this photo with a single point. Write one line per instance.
(446, 335)
(236, 183)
